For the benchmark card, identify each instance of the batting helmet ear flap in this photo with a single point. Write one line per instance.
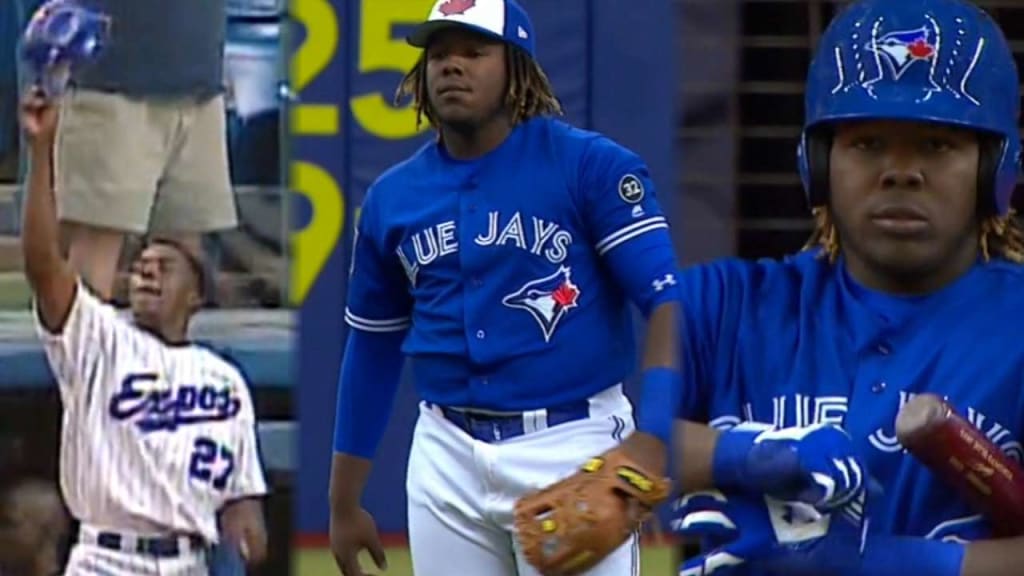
(991, 149)
(814, 152)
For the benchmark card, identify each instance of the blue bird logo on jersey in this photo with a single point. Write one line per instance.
(904, 48)
(547, 299)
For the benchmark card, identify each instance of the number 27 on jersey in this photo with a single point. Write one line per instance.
(211, 463)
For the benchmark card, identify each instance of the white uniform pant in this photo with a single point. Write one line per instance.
(90, 559)
(462, 490)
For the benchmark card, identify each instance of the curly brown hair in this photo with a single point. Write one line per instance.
(1001, 237)
(529, 90)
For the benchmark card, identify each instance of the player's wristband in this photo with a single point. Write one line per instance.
(903, 555)
(659, 397)
(729, 462)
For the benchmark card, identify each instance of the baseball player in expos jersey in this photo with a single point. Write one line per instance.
(158, 456)
(912, 282)
(500, 258)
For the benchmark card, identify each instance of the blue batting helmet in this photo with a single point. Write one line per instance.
(943, 61)
(62, 34)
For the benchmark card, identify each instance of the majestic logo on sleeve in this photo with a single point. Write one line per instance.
(547, 299)
(902, 49)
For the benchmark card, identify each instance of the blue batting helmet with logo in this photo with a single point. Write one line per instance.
(61, 36)
(942, 61)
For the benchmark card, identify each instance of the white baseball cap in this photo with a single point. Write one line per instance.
(504, 20)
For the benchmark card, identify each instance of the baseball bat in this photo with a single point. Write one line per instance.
(965, 459)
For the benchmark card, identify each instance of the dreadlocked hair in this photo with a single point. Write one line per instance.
(1001, 237)
(529, 90)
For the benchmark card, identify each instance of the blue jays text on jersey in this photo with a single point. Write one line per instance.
(797, 342)
(165, 409)
(513, 272)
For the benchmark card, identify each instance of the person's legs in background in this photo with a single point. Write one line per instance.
(110, 156)
(195, 195)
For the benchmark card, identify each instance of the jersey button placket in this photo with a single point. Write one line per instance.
(472, 281)
(883, 348)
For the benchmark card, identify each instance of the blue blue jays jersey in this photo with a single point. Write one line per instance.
(798, 342)
(513, 273)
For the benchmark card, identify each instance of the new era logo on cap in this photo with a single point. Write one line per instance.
(502, 19)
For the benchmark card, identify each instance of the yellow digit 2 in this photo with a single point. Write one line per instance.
(310, 59)
(379, 51)
(313, 245)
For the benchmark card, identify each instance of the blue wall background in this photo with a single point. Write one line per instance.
(611, 62)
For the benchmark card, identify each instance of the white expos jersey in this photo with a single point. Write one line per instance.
(156, 438)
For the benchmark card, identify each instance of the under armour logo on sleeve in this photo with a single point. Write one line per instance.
(662, 283)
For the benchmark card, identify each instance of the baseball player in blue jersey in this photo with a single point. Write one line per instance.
(911, 283)
(501, 259)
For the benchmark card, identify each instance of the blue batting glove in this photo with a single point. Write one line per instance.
(766, 536)
(817, 464)
(740, 532)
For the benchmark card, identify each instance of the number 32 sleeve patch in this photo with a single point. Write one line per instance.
(631, 189)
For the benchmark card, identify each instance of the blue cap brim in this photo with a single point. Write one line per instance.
(422, 34)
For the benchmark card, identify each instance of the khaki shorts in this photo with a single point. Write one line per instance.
(141, 166)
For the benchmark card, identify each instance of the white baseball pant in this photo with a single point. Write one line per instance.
(462, 490)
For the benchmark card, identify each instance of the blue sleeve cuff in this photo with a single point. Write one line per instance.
(903, 555)
(647, 271)
(370, 374)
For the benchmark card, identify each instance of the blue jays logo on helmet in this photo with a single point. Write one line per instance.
(904, 48)
(546, 299)
(939, 61)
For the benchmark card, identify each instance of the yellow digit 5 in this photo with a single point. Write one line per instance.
(379, 51)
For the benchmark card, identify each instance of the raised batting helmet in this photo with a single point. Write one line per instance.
(943, 61)
(62, 36)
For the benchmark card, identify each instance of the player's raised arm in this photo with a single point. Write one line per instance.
(378, 315)
(49, 274)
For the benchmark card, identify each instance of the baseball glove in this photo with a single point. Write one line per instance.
(570, 526)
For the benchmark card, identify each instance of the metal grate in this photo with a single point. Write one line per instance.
(776, 41)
